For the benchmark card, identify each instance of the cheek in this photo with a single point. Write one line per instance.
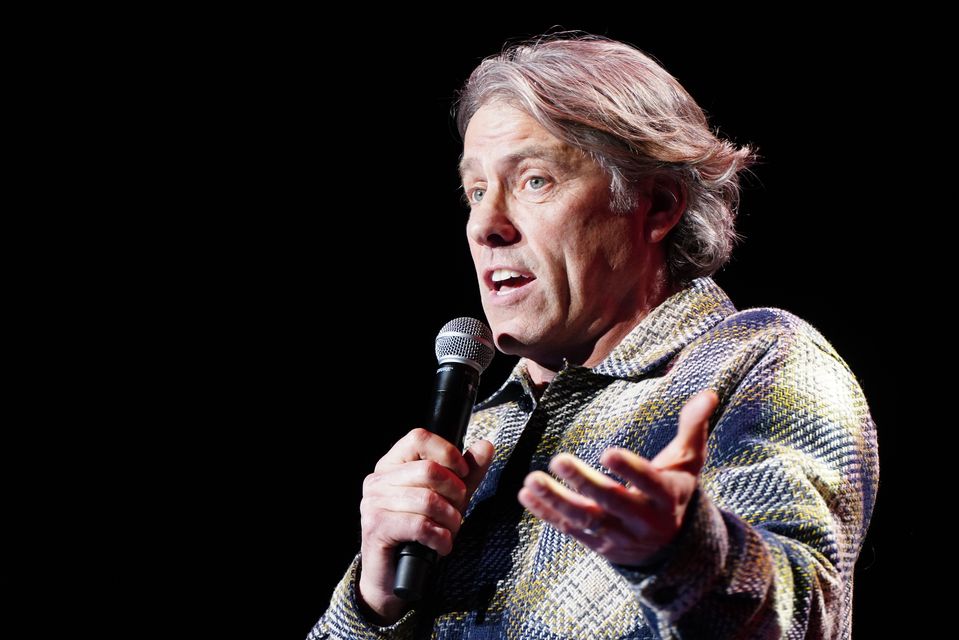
(619, 254)
(585, 245)
(474, 253)
(611, 240)
(595, 260)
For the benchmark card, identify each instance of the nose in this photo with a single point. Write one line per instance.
(491, 223)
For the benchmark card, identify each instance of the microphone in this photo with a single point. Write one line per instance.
(464, 348)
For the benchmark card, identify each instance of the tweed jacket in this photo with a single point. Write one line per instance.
(768, 545)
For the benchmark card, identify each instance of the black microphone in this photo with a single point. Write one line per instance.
(464, 348)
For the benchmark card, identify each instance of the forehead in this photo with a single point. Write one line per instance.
(502, 134)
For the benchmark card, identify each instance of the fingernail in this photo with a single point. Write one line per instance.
(533, 483)
(562, 467)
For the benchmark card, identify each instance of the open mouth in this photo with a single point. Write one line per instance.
(506, 280)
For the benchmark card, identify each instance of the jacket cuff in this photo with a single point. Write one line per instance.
(679, 576)
(345, 620)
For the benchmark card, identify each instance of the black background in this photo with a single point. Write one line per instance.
(335, 250)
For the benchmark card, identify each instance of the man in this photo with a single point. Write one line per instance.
(658, 464)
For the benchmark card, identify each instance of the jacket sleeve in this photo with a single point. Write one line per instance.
(771, 538)
(343, 619)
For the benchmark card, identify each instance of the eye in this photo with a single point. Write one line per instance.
(536, 183)
(475, 195)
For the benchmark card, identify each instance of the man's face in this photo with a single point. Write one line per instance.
(557, 268)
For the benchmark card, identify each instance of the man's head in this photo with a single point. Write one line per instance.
(593, 176)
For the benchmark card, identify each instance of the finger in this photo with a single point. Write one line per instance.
(392, 528)
(687, 451)
(420, 444)
(422, 473)
(577, 473)
(479, 457)
(541, 509)
(640, 473)
(558, 505)
(420, 502)
(601, 489)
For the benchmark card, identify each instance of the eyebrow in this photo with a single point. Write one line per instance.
(555, 155)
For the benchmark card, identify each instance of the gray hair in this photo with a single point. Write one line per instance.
(631, 116)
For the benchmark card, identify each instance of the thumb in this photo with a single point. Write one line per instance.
(687, 451)
(479, 457)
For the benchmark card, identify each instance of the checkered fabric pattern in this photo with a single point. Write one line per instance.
(769, 543)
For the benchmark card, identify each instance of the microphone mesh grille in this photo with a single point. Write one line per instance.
(465, 339)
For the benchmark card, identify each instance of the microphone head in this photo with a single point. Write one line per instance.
(465, 340)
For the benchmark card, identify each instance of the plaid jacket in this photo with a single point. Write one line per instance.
(769, 543)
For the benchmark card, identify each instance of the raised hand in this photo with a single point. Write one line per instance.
(628, 524)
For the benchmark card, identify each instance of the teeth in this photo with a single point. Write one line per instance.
(505, 274)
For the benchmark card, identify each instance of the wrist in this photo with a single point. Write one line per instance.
(380, 607)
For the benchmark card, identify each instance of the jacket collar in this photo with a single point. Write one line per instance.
(664, 332)
(667, 329)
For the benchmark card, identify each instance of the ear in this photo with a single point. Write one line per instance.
(664, 199)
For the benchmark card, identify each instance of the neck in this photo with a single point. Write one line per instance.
(541, 374)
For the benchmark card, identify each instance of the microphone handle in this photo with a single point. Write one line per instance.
(454, 392)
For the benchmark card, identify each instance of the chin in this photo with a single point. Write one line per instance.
(517, 335)
(509, 345)
(515, 343)
(504, 335)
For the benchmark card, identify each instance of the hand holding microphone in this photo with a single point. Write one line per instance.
(413, 501)
(464, 348)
